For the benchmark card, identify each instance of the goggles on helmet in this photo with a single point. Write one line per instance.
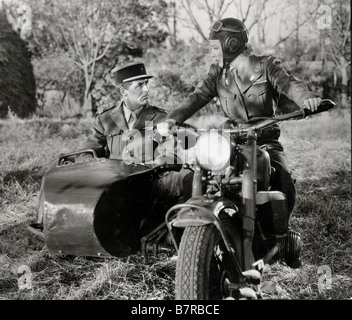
(217, 26)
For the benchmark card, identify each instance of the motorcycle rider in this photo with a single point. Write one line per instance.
(247, 87)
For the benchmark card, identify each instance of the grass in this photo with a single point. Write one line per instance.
(319, 153)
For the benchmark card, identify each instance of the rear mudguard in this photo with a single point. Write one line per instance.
(96, 208)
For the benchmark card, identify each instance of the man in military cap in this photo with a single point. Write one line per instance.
(125, 131)
(247, 87)
(118, 126)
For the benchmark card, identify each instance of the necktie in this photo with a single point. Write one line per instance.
(131, 120)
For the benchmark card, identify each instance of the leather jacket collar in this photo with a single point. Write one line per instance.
(252, 73)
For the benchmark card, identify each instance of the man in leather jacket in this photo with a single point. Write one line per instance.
(248, 87)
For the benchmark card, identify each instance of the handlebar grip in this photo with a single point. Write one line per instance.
(325, 105)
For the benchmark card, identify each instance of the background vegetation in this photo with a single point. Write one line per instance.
(74, 45)
(72, 53)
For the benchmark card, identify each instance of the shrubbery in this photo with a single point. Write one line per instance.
(17, 82)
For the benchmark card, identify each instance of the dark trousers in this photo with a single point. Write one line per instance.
(282, 180)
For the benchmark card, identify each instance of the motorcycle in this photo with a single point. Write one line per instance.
(220, 238)
(231, 227)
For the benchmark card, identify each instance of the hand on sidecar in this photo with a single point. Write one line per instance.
(84, 157)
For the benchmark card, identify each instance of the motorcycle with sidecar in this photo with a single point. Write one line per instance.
(220, 238)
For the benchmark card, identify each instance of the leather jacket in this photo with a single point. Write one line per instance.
(264, 83)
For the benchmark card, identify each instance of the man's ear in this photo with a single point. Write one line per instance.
(122, 91)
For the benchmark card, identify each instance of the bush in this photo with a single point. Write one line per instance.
(17, 83)
(59, 86)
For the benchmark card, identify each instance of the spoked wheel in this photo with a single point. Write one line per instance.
(204, 266)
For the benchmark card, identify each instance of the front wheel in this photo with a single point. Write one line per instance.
(204, 266)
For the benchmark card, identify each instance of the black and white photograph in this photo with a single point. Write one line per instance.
(175, 150)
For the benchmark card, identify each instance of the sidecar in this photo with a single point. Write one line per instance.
(100, 207)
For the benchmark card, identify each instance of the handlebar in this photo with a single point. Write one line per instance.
(325, 105)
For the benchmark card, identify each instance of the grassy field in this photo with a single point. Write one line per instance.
(319, 150)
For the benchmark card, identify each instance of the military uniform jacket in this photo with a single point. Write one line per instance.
(264, 82)
(111, 137)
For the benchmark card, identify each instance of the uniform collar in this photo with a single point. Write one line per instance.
(128, 112)
(146, 114)
(249, 70)
(240, 63)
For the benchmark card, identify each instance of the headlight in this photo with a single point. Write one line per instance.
(213, 151)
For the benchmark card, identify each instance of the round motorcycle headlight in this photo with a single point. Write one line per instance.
(213, 151)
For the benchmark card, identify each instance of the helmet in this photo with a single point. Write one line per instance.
(233, 36)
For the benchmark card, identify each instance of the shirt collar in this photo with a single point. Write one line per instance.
(128, 112)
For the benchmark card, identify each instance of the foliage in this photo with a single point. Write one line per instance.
(96, 35)
(17, 83)
(177, 73)
(80, 26)
(336, 44)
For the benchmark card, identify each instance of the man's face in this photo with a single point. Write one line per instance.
(136, 95)
(216, 53)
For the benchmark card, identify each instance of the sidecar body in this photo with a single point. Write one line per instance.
(99, 207)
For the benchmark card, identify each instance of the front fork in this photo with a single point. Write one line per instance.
(249, 192)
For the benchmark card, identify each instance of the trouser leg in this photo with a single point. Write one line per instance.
(175, 184)
(187, 186)
(283, 180)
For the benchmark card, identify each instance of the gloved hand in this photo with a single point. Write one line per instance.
(163, 128)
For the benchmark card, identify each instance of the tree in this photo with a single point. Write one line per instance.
(251, 12)
(89, 31)
(213, 10)
(17, 83)
(335, 30)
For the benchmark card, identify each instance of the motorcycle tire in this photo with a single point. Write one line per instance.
(204, 265)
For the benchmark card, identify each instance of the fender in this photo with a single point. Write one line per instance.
(201, 211)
